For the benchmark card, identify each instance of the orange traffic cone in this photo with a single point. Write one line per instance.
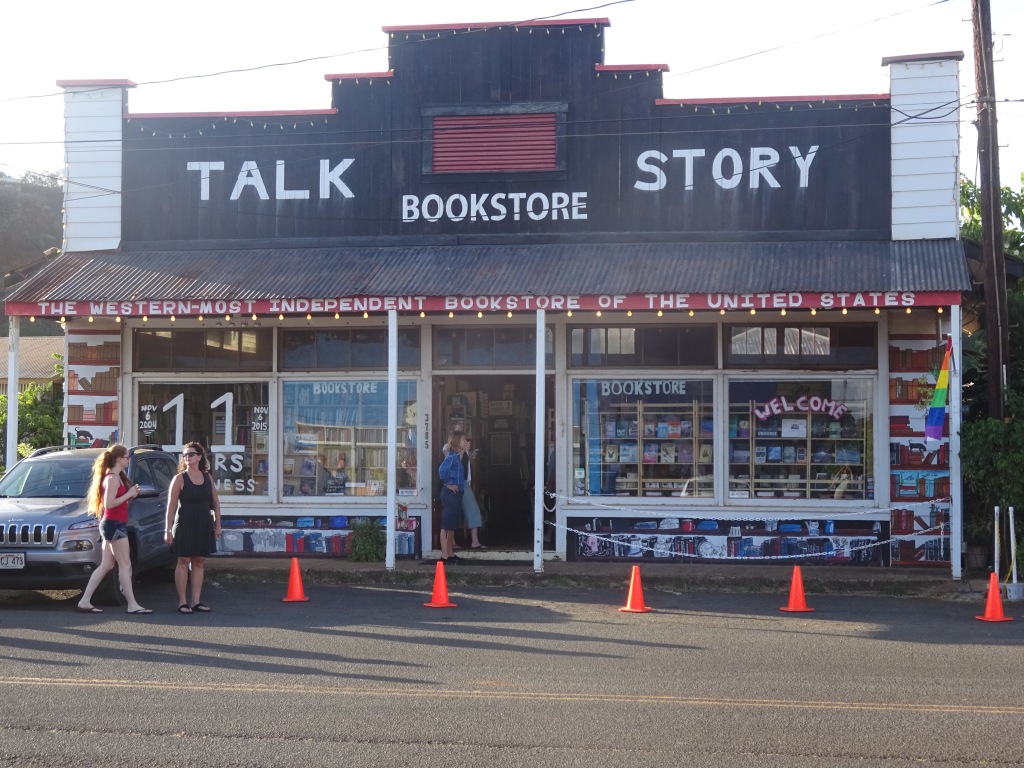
(295, 592)
(994, 602)
(797, 603)
(440, 597)
(635, 600)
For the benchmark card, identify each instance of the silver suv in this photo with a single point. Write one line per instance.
(47, 538)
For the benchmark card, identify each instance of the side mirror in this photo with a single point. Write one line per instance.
(147, 491)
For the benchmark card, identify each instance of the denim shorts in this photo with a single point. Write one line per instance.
(112, 530)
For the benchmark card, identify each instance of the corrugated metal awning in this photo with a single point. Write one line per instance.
(489, 270)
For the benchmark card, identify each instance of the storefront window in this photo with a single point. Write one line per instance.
(488, 347)
(647, 436)
(843, 345)
(807, 439)
(203, 349)
(344, 349)
(335, 437)
(650, 346)
(230, 420)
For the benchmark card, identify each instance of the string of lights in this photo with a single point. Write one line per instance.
(229, 319)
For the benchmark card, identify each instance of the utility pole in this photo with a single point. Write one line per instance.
(994, 279)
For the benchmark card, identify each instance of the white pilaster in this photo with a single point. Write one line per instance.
(93, 119)
(925, 119)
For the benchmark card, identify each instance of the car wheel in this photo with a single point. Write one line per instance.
(109, 591)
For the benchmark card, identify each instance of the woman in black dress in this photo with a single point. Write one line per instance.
(191, 529)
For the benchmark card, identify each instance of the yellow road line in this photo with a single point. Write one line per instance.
(521, 695)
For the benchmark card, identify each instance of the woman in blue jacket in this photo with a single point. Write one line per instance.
(453, 485)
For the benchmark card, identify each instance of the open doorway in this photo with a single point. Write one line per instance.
(497, 413)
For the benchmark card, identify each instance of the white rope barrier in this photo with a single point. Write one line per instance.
(639, 541)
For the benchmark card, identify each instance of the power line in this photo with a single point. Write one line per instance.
(319, 216)
(241, 70)
(485, 27)
(331, 138)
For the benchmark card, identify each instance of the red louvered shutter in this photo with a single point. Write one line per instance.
(471, 143)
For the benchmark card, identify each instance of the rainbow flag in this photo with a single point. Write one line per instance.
(937, 411)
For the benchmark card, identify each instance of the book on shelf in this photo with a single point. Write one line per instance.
(846, 455)
(628, 453)
(650, 427)
(794, 427)
(760, 454)
(611, 453)
(675, 428)
(651, 453)
(743, 428)
(821, 456)
(705, 455)
(668, 453)
(789, 454)
(774, 453)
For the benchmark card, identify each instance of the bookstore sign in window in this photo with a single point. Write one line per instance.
(808, 439)
(335, 440)
(230, 420)
(643, 437)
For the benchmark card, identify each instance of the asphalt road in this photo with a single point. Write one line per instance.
(367, 676)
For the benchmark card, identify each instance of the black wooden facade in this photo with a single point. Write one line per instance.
(614, 138)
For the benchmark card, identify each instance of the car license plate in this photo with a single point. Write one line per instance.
(12, 560)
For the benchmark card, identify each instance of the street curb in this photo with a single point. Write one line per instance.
(680, 578)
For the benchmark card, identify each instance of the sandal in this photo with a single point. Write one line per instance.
(183, 608)
(201, 608)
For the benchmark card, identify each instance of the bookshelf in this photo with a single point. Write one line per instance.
(919, 469)
(92, 373)
(365, 450)
(638, 449)
(799, 455)
(920, 536)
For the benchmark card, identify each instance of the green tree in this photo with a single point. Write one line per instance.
(992, 451)
(50, 180)
(30, 220)
(40, 414)
(974, 372)
(1013, 216)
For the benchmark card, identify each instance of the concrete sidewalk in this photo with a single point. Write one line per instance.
(490, 570)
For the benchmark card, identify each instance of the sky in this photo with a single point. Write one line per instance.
(726, 48)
